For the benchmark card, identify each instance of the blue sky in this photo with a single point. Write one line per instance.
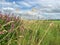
(47, 8)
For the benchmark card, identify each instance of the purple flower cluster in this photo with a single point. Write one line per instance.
(7, 18)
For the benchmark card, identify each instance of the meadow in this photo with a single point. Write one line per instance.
(16, 31)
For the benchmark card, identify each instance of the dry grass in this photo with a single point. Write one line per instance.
(15, 31)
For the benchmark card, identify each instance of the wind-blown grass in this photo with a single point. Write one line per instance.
(15, 31)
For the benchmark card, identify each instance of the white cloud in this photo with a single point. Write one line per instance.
(2, 0)
(8, 4)
(5, 3)
(8, 8)
(26, 4)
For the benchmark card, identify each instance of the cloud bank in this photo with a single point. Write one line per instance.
(45, 8)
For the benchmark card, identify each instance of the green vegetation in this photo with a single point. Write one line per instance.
(15, 31)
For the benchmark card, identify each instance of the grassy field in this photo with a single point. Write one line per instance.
(15, 31)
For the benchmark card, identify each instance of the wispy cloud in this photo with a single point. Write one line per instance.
(24, 4)
(8, 8)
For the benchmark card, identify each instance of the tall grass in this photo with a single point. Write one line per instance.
(15, 31)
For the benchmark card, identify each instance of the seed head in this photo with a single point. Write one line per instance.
(51, 24)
